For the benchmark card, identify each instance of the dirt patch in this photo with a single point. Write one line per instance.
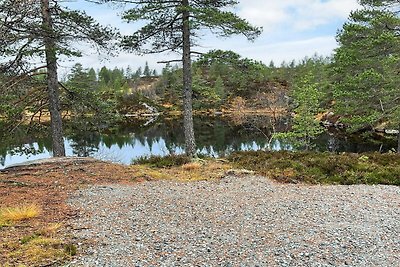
(47, 184)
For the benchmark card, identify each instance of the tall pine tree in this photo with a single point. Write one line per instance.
(174, 25)
(42, 31)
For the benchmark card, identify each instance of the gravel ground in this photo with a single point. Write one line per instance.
(248, 221)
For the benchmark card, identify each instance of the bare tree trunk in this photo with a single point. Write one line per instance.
(190, 144)
(52, 82)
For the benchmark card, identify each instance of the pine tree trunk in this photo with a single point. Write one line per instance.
(190, 145)
(52, 82)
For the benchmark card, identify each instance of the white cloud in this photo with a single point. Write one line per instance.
(290, 50)
(296, 14)
(267, 15)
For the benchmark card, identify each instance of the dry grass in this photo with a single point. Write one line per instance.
(195, 171)
(19, 213)
(50, 230)
(42, 248)
(3, 222)
(191, 166)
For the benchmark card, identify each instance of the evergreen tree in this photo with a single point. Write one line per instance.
(171, 25)
(89, 108)
(306, 98)
(271, 64)
(78, 77)
(146, 71)
(82, 78)
(128, 73)
(138, 73)
(92, 77)
(104, 77)
(366, 67)
(241, 76)
(45, 30)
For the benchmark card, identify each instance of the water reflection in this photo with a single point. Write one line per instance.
(216, 137)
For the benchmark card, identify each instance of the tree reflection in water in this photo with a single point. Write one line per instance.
(216, 136)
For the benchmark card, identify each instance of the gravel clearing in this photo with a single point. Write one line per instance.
(237, 221)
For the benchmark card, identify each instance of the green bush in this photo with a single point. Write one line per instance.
(322, 168)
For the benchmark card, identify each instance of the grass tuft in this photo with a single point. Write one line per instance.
(50, 230)
(191, 166)
(38, 250)
(4, 223)
(19, 213)
(70, 250)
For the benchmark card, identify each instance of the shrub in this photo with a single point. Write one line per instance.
(161, 162)
(322, 168)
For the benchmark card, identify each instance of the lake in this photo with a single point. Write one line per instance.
(215, 136)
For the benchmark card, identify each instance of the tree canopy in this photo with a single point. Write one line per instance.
(163, 32)
(22, 31)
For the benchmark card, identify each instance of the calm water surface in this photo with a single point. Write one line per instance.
(215, 137)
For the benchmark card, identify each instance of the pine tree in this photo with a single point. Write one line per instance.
(171, 25)
(138, 73)
(306, 98)
(45, 30)
(271, 64)
(146, 70)
(92, 77)
(104, 77)
(366, 64)
(128, 73)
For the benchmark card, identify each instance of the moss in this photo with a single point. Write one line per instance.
(37, 251)
(322, 168)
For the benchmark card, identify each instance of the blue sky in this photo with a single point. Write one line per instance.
(293, 29)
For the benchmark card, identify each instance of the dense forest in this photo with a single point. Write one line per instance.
(354, 91)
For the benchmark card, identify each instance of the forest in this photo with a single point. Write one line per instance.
(354, 92)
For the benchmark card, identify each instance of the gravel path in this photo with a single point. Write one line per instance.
(247, 221)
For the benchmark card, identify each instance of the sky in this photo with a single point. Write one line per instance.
(292, 29)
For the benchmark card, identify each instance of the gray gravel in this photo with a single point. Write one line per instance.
(248, 221)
